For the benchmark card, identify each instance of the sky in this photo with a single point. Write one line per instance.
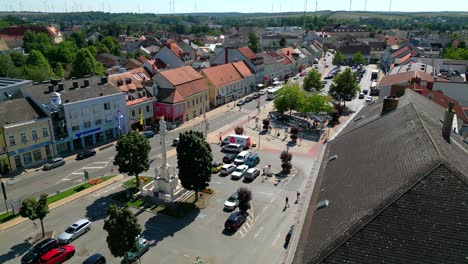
(245, 6)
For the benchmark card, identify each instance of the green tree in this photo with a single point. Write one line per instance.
(316, 103)
(85, 63)
(194, 160)
(34, 209)
(344, 86)
(313, 81)
(18, 58)
(37, 67)
(122, 231)
(253, 43)
(289, 98)
(100, 48)
(282, 42)
(112, 45)
(244, 196)
(6, 65)
(132, 155)
(338, 58)
(358, 58)
(79, 38)
(36, 41)
(59, 71)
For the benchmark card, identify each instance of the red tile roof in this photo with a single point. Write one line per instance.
(137, 77)
(176, 49)
(191, 88)
(400, 51)
(405, 58)
(288, 52)
(222, 74)
(404, 77)
(247, 52)
(139, 100)
(242, 68)
(392, 41)
(186, 80)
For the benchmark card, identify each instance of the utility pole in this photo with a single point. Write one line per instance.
(316, 6)
(350, 3)
(365, 5)
(390, 7)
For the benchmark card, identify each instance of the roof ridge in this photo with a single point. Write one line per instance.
(366, 219)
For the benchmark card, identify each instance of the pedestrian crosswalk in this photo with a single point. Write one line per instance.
(242, 232)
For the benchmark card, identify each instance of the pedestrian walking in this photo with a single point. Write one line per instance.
(287, 203)
(298, 194)
(220, 140)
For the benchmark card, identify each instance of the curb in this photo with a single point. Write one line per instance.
(63, 201)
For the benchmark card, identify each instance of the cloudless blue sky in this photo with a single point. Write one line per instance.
(247, 6)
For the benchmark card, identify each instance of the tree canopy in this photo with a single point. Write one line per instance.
(313, 81)
(122, 230)
(282, 42)
(344, 86)
(316, 103)
(35, 209)
(245, 196)
(37, 67)
(36, 41)
(338, 58)
(85, 64)
(254, 44)
(289, 98)
(132, 155)
(358, 58)
(194, 160)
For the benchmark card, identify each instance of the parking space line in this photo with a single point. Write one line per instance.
(88, 168)
(276, 239)
(258, 232)
(77, 173)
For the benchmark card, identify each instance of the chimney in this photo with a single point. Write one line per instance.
(51, 88)
(119, 82)
(448, 120)
(86, 83)
(60, 86)
(389, 104)
(128, 80)
(288, 53)
(226, 55)
(75, 84)
(103, 80)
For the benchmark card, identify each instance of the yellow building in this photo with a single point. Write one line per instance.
(26, 132)
(4, 162)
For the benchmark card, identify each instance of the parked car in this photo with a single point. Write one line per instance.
(236, 148)
(148, 134)
(242, 157)
(324, 82)
(252, 174)
(54, 163)
(229, 158)
(232, 202)
(256, 95)
(290, 233)
(175, 142)
(142, 245)
(235, 221)
(262, 92)
(36, 251)
(95, 259)
(240, 102)
(75, 230)
(239, 172)
(86, 154)
(57, 255)
(368, 98)
(248, 99)
(227, 169)
(216, 166)
(295, 78)
(253, 161)
(361, 95)
(365, 91)
(302, 74)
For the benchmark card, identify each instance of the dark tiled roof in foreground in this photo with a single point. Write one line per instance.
(383, 163)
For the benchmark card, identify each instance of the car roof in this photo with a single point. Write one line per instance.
(49, 254)
(93, 258)
(242, 166)
(234, 216)
(43, 243)
(233, 144)
(252, 169)
(57, 159)
(79, 222)
(216, 163)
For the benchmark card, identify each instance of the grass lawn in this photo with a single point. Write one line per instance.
(132, 182)
(5, 217)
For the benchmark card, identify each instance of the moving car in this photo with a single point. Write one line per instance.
(227, 169)
(86, 154)
(232, 202)
(361, 95)
(324, 82)
(253, 161)
(241, 102)
(365, 91)
(54, 163)
(57, 255)
(252, 174)
(95, 259)
(235, 221)
(236, 148)
(248, 99)
(242, 157)
(216, 167)
(36, 251)
(229, 158)
(148, 134)
(256, 95)
(75, 230)
(295, 78)
(142, 245)
(175, 142)
(239, 172)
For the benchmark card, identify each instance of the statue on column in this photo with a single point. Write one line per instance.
(162, 133)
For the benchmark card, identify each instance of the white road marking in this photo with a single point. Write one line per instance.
(276, 239)
(77, 173)
(88, 168)
(101, 162)
(258, 232)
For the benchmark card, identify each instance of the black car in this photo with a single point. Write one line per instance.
(235, 221)
(240, 102)
(248, 99)
(290, 233)
(86, 154)
(256, 95)
(95, 259)
(36, 251)
(365, 91)
(229, 158)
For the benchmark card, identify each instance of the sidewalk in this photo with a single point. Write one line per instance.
(66, 200)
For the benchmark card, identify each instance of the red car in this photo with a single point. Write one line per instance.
(302, 74)
(57, 255)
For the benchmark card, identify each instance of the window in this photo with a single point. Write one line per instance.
(87, 124)
(147, 108)
(139, 111)
(27, 158)
(37, 155)
(18, 161)
(107, 106)
(45, 132)
(34, 135)
(12, 140)
(133, 112)
(98, 122)
(75, 128)
(193, 101)
(188, 104)
(206, 97)
(23, 137)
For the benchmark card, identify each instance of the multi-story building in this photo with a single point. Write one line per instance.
(182, 94)
(337, 31)
(26, 137)
(83, 112)
(9, 87)
(225, 84)
(136, 84)
(253, 61)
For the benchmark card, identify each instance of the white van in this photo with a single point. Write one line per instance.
(242, 157)
(242, 140)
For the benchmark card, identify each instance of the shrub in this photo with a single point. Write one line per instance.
(285, 156)
(95, 181)
(245, 196)
(266, 123)
(239, 130)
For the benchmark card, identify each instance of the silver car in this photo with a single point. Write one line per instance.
(75, 230)
(54, 163)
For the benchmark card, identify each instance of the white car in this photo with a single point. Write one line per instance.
(75, 230)
(232, 202)
(252, 173)
(242, 157)
(262, 92)
(239, 172)
(368, 98)
(227, 169)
